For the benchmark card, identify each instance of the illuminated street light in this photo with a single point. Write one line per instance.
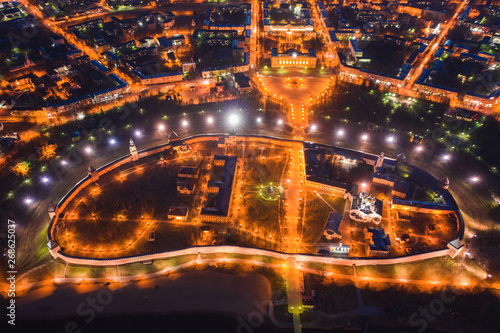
(45, 180)
(161, 127)
(474, 179)
(340, 133)
(137, 133)
(419, 148)
(363, 185)
(280, 122)
(364, 137)
(314, 127)
(259, 120)
(446, 157)
(185, 123)
(112, 141)
(390, 139)
(88, 150)
(28, 201)
(63, 162)
(234, 119)
(210, 120)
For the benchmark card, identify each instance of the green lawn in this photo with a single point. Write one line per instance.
(443, 268)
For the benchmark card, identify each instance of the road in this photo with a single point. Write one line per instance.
(294, 197)
(431, 49)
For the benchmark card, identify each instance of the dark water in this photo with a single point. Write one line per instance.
(178, 323)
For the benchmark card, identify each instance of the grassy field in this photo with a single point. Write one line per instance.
(336, 297)
(49, 270)
(90, 271)
(260, 213)
(438, 269)
(337, 203)
(335, 269)
(138, 268)
(315, 218)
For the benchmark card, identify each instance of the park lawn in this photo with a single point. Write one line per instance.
(335, 269)
(213, 255)
(262, 214)
(264, 171)
(157, 265)
(336, 202)
(49, 270)
(101, 238)
(315, 218)
(74, 271)
(436, 269)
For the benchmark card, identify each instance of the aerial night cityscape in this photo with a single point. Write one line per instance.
(250, 166)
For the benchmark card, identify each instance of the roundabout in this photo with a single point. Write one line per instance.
(270, 192)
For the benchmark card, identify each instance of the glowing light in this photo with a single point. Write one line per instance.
(363, 185)
(185, 123)
(45, 180)
(88, 150)
(446, 157)
(137, 133)
(314, 127)
(419, 148)
(340, 132)
(161, 127)
(112, 141)
(63, 162)
(364, 137)
(28, 201)
(259, 120)
(390, 139)
(474, 179)
(280, 122)
(210, 120)
(234, 119)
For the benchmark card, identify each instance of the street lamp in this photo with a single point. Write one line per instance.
(45, 180)
(340, 133)
(210, 120)
(234, 119)
(88, 150)
(390, 139)
(258, 120)
(185, 123)
(280, 122)
(137, 133)
(419, 149)
(474, 179)
(364, 137)
(112, 141)
(28, 201)
(446, 157)
(314, 127)
(161, 127)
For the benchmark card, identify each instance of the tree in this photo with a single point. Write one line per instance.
(22, 168)
(48, 152)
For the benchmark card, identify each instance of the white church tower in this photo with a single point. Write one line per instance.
(380, 161)
(133, 150)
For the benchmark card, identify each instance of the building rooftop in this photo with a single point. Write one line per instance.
(223, 199)
(333, 222)
(380, 240)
